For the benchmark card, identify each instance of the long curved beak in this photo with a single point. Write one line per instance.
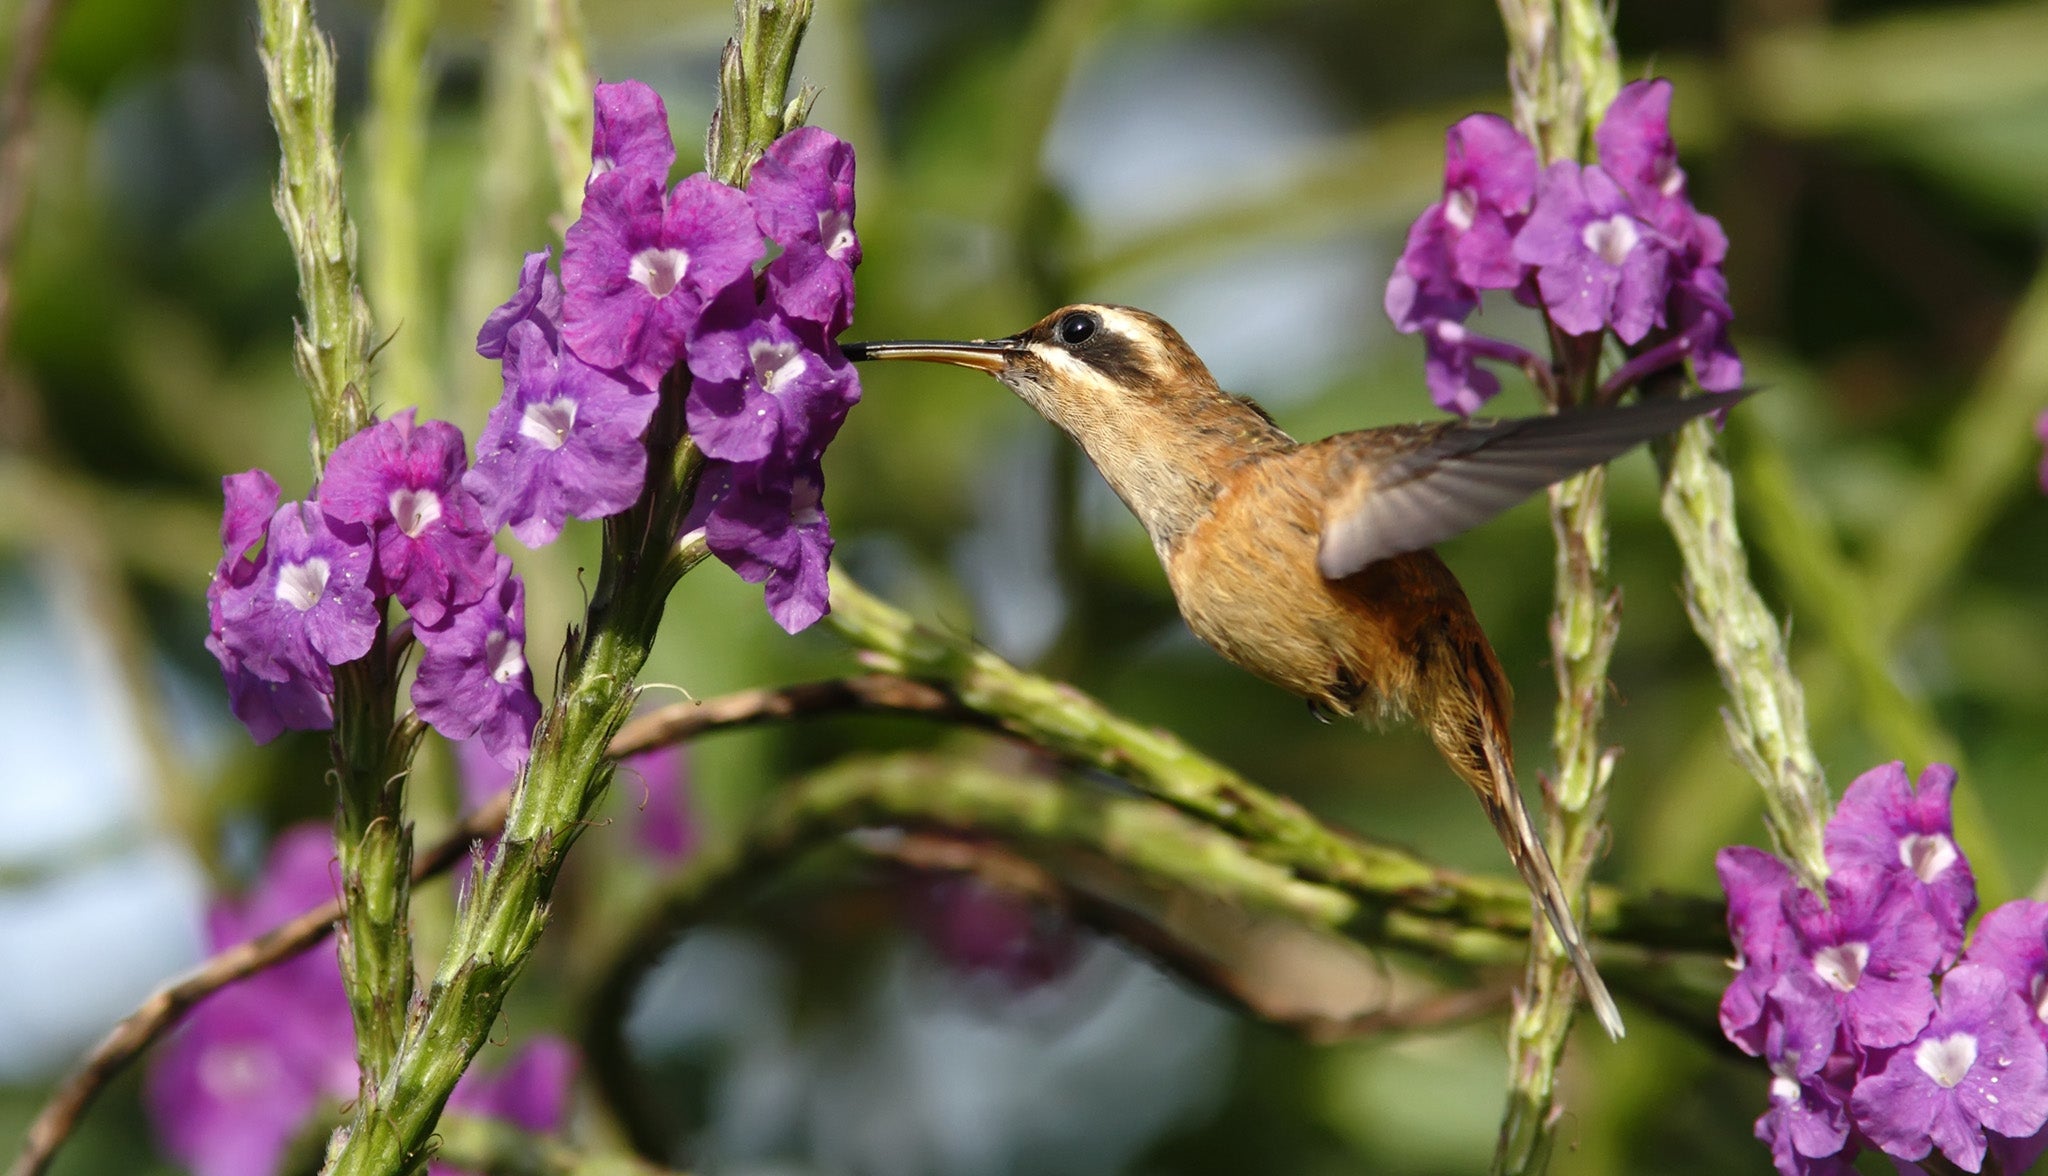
(987, 356)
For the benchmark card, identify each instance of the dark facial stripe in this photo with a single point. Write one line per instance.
(1116, 357)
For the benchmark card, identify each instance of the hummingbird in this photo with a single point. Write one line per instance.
(1311, 565)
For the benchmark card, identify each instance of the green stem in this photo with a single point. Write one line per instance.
(332, 347)
(568, 770)
(1069, 723)
(1562, 67)
(1048, 822)
(371, 757)
(492, 1147)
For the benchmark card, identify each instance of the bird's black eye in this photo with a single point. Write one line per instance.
(1076, 328)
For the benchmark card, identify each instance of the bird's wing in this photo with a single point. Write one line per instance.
(1469, 472)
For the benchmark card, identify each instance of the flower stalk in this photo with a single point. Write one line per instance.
(392, 1128)
(371, 755)
(1563, 71)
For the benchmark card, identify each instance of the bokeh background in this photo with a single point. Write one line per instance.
(1245, 168)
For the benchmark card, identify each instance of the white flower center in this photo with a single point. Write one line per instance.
(415, 510)
(1841, 965)
(835, 229)
(1613, 239)
(1459, 207)
(1784, 1090)
(804, 497)
(1673, 182)
(301, 585)
(1450, 332)
(2037, 994)
(548, 422)
(1947, 1060)
(1928, 855)
(777, 364)
(660, 270)
(505, 657)
(599, 166)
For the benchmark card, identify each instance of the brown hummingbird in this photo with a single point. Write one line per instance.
(1311, 564)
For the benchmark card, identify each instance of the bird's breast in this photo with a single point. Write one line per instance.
(1245, 578)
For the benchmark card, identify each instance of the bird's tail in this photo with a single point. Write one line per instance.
(1470, 728)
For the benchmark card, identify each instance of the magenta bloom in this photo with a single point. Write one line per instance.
(286, 700)
(473, 677)
(538, 301)
(1464, 242)
(630, 132)
(565, 440)
(1635, 144)
(1807, 1125)
(802, 191)
(768, 523)
(1873, 944)
(227, 1094)
(764, 383)
(1977, 1065)
(1757, 885)
(2012, 940)
(307, 607)
(640, 264)
(1459, 246)
(404, 482)
(1598, 263)
(1883, 822)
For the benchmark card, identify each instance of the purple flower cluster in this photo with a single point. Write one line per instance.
(255, 1060)
(302, 587)
(655, 276)
(1615, 245)
(1882, 1028)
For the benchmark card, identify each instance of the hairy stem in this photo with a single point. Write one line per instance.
(371, 757)
(1766, 713)
(568, 770)
(562, 80)
(1562, 68)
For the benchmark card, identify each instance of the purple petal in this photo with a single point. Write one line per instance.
(538, 301)
(630, 132)
(1485, 154)
(802, 190)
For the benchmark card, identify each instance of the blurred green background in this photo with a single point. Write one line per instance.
(1245, 168)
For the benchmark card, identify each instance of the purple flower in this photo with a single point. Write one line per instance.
(538, 301)
(473, 677)
(1757, 885)
(564, 440)
(1451, 365)
(666, 829)
(1808, 1120)
(1873, 944)
(767, 522)
(405, 483)
(640, 264)
(802, 190)
(250, 498)
(764, 383)
(284, 701)
(530, 1091)
(229, 1092)
(1598, 263)
(309, 605)
(1885, 823)
(2012, 940)
(1978, 1064)
(1460, 245)
(630, 132)
(1467, 237)
(1635, 144)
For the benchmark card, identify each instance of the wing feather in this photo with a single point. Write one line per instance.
(1468, 473)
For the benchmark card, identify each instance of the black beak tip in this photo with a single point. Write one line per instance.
(857, 352)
